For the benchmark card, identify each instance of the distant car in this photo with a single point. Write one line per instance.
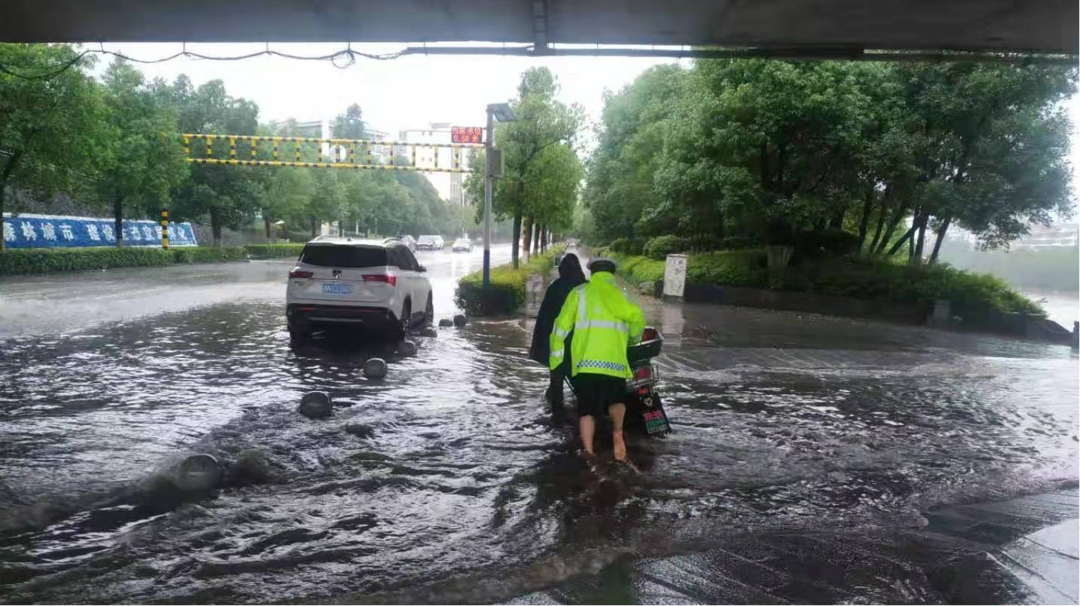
(462, 245)
(429, 243)
(439, 243)
(408, 241)
(366, 283)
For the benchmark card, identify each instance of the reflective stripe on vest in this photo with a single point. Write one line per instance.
(585, 322)
(601, 364)
(560, 332)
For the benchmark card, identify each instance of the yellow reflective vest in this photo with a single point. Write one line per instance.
(604, 323)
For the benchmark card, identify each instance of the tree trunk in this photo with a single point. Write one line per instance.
(899, 216)
(920, 240)
(940, 238)
(515, 238)
(341, 227)
(527, 237)
(215, 228)
(9, 168)
(902, 241)
(538, 233)
(118, 220)
(864, 220)
(882, 214)
(313, 234)
(3, 194)
(837, 221)
(543, 239)
(266, 223)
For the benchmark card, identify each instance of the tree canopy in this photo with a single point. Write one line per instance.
(542, 171)
(724, 147)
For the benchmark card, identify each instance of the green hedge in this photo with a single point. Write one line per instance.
(507, 286)
(49, 260)
(274, 251)
(46, 260)
(971, 294)
(207, 254)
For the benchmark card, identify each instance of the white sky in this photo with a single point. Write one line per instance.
(409, 92)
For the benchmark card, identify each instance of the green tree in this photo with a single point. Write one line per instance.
(542, 122)
(49, 128)
(349, 125)
(996, 148)
(227, 195)
(631, 134)
(141, 158)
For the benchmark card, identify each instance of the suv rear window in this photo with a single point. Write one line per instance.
(334, 255)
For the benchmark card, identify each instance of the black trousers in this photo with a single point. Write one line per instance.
(555, 388)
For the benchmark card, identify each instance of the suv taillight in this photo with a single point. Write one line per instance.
(298, 273)
(390, 279)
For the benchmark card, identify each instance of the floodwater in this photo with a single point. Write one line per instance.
(1062, 307)
(452, 470)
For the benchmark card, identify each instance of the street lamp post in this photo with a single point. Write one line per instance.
(503, 113)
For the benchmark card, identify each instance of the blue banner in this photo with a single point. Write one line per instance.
(48, 231)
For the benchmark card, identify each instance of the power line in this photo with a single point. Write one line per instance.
(786, 54)
(347, 53)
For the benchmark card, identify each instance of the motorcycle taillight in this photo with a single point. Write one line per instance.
(642, 373)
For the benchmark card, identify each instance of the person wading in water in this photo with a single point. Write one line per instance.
(570, 277)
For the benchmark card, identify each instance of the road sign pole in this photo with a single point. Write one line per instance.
(489, 142)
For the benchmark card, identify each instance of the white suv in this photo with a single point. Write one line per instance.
(366, 283)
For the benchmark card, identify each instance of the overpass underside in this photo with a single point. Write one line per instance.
(792, 28)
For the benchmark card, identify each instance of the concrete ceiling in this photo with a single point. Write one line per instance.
(1006, 25)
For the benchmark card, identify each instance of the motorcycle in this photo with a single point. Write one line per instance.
(644, 409)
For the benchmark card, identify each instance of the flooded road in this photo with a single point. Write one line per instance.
(447, 481)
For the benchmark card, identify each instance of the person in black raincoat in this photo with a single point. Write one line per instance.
(570, 277)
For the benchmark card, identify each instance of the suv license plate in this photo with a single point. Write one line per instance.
(336, 288)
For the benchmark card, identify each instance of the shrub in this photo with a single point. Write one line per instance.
(628, 246)
(507, 291)
(298, 237)
(47, 260)
(816, 243)
(737, 243)
(972, 295)
(270, 251)
(778, 232)
(744, 268)
(662, 246)
(207, 254)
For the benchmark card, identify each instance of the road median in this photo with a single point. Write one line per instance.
(508, 286)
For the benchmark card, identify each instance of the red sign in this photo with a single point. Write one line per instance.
(466, 134)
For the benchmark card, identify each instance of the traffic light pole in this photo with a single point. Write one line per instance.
(489, 143)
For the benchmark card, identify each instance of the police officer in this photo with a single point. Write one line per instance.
(604, 323)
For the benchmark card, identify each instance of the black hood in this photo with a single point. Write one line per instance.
(570, 268)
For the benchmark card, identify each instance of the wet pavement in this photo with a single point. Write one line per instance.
(799, 442)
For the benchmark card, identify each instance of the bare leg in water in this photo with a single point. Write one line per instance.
(587, 425)
(617, 412)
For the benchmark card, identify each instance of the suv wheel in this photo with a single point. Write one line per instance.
(429, 311)
(406, 320)
(298, 336)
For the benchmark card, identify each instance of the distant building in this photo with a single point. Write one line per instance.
(1056, 235)
(449, 185)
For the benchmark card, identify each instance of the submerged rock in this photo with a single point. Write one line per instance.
(407, 348)
(316, 405)
(445, 322)
(460, 320)
(375, 368)
(198, 473)
(360, 430)
(429, 332)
